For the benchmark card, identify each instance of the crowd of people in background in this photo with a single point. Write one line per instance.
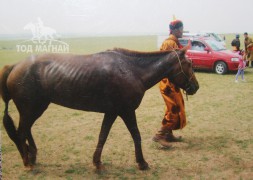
(247, 54)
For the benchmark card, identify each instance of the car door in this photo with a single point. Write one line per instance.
(201, 55)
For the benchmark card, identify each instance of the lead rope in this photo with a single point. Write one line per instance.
(184, 92)
(186, 95)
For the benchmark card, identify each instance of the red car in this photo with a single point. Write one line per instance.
(209, 54)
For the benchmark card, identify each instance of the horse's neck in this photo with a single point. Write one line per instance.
(156, 69)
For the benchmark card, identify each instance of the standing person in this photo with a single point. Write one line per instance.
(241, 67)
(248, 49)
(236, 43)
(174, 117)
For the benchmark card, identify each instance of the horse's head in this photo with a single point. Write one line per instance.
(182, 74)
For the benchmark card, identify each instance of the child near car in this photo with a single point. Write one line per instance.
(241, 67)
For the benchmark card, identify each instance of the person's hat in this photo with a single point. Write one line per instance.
(245, 33)
(176, 24)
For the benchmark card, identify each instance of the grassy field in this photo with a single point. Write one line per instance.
(217, 141)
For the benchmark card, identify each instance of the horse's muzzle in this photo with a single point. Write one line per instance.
(192, 88)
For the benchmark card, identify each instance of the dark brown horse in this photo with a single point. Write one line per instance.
(111, 82)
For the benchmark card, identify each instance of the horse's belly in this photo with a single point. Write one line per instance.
(98, 102)
(87, 103)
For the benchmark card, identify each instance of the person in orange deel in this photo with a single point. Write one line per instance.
(174, 117)
(248, 42)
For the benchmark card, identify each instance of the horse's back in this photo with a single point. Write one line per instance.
(97, 82)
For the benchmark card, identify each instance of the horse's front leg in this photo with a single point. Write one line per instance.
(105, 129)
(129, 119)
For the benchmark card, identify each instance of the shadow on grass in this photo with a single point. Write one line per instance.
(83, 170)
(197, 143)
(117, 170)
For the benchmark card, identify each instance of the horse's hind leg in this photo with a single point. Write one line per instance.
(28, 145)
(22, 134)
(27, 119)
(32, 149)
(105, 129)
(129, 119)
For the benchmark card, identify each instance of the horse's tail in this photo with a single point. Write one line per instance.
(4, 74)
(4, 92)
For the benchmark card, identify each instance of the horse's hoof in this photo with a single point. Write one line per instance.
(32, 159)
(26, 162)
(32, 155)
(100, 168)
(143, 166)
(29, 167)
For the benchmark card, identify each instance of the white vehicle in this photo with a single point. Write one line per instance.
(212, 35)
(215, 36)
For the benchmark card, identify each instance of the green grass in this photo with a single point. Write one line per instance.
(217, 141)
(83, 45)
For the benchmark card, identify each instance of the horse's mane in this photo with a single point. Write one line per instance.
(133, 53)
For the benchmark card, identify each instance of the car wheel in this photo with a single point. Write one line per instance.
(221, 68)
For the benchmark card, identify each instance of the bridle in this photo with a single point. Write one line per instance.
(188, 85)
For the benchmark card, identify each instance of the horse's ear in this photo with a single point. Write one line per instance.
(185, 49)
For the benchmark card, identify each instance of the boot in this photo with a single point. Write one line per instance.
(161, 137)
(171, 138)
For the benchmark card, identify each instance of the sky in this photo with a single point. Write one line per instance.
(108, 17)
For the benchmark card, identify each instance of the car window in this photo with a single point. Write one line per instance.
(198, 46)
(216, 37)
(215, 45)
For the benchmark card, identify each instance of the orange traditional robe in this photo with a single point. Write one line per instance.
(174, 117)
(249, 49)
